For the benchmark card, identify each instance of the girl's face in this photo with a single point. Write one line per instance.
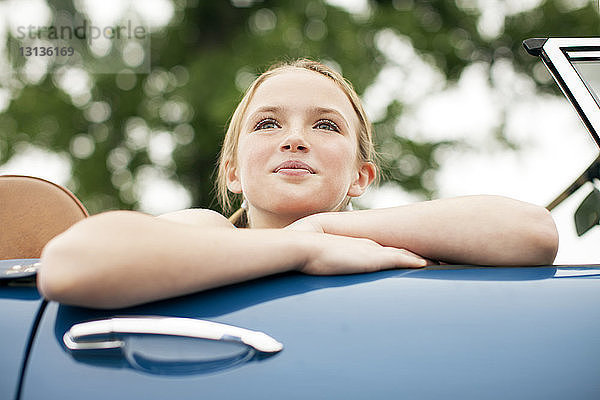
(297, 151)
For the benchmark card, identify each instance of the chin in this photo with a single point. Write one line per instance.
(295, 203)
(300, 207)
(298, 210)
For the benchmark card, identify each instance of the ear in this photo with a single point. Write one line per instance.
(363, 178)
(233, 181)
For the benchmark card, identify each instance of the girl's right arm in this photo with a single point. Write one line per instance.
(123, 258)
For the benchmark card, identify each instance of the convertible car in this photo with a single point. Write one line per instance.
(451, 331)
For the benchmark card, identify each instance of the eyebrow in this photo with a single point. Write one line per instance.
(313, 110)
(265, 109)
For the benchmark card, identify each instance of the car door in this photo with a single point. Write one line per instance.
(442, 332)
(20, 309)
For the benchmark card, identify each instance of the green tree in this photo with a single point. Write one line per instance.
(206, 56)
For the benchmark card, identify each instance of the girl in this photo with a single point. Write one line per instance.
(298, 148)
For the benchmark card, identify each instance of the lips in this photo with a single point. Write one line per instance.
(294, 164)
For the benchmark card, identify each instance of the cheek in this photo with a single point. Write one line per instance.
(340, 157)
(253, 156)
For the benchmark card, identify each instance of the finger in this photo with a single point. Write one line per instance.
(407, 252)
(432, 262)
(397, 258)
(411, 260)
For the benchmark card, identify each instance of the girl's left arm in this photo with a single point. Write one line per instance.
(482, 230)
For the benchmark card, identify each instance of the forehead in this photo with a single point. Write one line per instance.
(299, 88)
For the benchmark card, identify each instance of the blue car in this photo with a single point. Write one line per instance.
(449, 331)
(441, 332)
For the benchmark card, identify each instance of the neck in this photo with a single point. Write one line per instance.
(260, 219)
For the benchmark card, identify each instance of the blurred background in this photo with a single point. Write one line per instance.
(458, 106)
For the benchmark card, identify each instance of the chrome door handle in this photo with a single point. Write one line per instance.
(104, 334)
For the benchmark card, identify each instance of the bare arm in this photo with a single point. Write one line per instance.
(483, 230)
(123, 258)
(198, 217)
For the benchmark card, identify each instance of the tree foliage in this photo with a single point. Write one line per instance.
(203, 60)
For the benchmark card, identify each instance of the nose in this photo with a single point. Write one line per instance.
(295, 142)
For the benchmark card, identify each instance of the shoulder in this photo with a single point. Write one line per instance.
(198, 216)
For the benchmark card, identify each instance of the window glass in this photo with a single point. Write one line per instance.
(589, 71)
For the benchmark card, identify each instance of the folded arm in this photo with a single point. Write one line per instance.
(122, 258)
(482, 230)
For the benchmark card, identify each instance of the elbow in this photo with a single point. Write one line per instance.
(78, 266)
(70, 260)
(545, 240)
(64, 275)
(54, 278)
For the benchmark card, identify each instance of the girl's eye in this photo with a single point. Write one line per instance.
(267, 123)
(327, 125)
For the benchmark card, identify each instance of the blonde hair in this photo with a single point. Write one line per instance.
(366, 148)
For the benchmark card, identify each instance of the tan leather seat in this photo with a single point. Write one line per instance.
(33, 211)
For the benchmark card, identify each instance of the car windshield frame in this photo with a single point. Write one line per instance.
(565, 58)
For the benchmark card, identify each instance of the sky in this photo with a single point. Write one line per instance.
(554, 146)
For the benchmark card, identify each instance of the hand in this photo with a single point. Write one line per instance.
(306, 224)
(333, 255)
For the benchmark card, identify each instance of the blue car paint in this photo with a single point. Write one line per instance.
(445, 332)
(19, 307)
